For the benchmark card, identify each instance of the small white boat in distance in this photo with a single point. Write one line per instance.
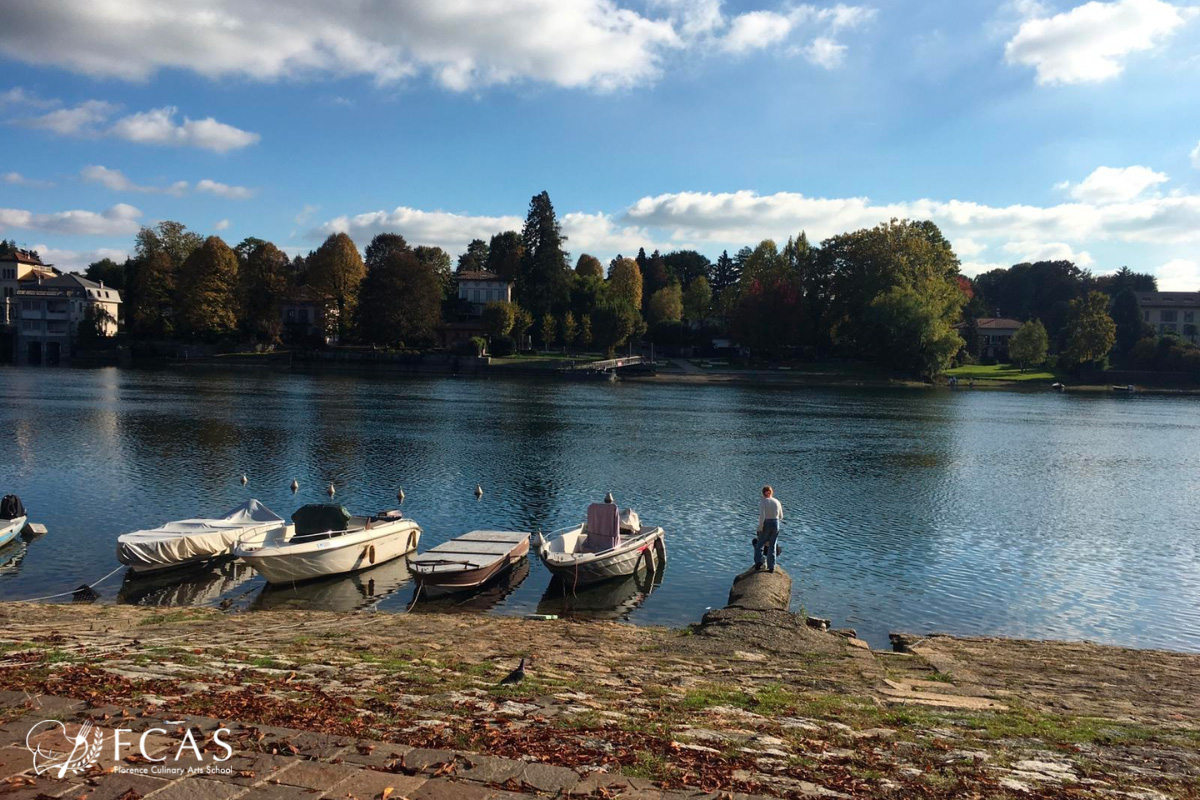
(12, 518)
(327, 540)
(611, 544)
(195, 541)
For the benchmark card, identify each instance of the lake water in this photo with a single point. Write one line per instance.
(970, 512)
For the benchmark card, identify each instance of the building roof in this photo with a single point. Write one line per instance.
(997, 324)
(22, 257)
(71, 284)
(478, 276)
(307, 294)
(1169, 299)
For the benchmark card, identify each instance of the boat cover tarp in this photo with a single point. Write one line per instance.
(193, 539)
(320, 518)
(603, 527)
(11, 507)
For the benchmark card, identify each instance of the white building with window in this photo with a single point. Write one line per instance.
(17, 266)
(1172, 312)
(49, 312)
(481, 288)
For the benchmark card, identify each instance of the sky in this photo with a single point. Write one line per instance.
(1026, 130)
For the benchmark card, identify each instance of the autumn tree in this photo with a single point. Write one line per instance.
(697, 299)
(498, 318)
(1029, 344)
(666, 305)
(625, 281)
(613, 322)
(208, 301)
(548, 330)
(336, 269)
(568, 329)
(401, 301)
(543, 283)
(589, 265)
(264, 283)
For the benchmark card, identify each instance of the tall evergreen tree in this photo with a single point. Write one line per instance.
(725, 274)
(543, 285)
(208, 301)
(505, 253)
(475, 258)
(263, 273)
(336, 269)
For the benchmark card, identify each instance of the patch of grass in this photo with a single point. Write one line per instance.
(1021, 723)
(266, 662)
(184, 615)
(998, 372)
(59, 657)
(650, 766)
(770, 700)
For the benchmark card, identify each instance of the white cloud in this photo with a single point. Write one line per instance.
(1196, 156)
(116, 180)
(1028, 252)
(119, 220)
(306, 213)
(78, 260)
(224, 190)
(17, 96)
(1115, 184)
(758, 30)
(451, 232)
(967, 247)
(463, 45)
(17, 179)
(221, 225)
(1178, 275)
(158, 127)
(825, 52)
(1090, 43)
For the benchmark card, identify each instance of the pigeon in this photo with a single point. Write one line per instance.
(516, 676)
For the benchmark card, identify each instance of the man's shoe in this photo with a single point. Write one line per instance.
(770, 569)
(757, 567)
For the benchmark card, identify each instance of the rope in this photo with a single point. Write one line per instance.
(73, 591)
(416, 596)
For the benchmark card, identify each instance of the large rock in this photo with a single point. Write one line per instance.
(759, 590)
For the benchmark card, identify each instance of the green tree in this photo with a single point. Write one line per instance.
(94, 328)
(1091, 333)
(263, 272)
(1126, 313)
(382, 247)
(437, 260)
(498, 318)
(504, 255)
(151, 280)
(548, 330)
(687, 266)
(725, 274)
(336, 269)
(921, 338)
(208, 301)
(666, 305)
(590, 266)
(1029, 344)
(697, 299)
(522, 322)
(613, 322)
(585, 331)
(108, 272)
(401, 301)
(475, 258)
(543, 286)
(625, 281)
(568, 329)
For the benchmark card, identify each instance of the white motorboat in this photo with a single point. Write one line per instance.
(327, 540)
(611, 544)
(12, 518)
(195, 541)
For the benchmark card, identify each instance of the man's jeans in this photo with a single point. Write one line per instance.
(764, 545)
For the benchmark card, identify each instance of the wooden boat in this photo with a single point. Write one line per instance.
(470, 560)
(609, 545)
(12, 518)
(190, 542)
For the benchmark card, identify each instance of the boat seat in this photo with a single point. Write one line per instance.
(603, 528)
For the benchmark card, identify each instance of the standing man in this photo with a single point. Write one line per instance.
(770, 514)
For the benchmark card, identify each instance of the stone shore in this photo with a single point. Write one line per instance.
(749, 703)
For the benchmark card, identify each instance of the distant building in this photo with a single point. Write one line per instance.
(480, 288)
(994, 335)
(1171, 312)
(49, 311)
(308, 316)
(16, 266)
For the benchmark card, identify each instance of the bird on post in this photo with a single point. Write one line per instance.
(516, 676)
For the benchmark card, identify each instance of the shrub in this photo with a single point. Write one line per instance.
(503, 346)
(475, 346)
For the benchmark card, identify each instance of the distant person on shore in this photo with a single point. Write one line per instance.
(770, 514)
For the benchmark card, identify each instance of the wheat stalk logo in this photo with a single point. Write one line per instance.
(84, 751)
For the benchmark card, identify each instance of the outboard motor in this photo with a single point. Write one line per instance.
(11, 507)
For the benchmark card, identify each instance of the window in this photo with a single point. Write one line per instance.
(303, 316)
(1145, 316)
(31, 326)
(1189, 316)
(30, 305)
(10, 274)
(1168, 316)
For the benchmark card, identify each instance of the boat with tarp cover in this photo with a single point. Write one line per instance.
(327, 539)
(189, 542)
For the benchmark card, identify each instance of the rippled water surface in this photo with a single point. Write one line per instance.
(1021, 514)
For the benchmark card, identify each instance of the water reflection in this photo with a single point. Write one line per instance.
(197, 586)
(484, 598)
(359, 590)
(612, 599)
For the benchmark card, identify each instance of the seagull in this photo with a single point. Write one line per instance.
(245, 480)
(332, 491)
(400, 495)
(608, 498)
(295, 485)
(478, 491)
(516, 676)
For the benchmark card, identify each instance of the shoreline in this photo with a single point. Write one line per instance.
(747, 701)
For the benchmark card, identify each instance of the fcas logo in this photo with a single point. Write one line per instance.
(57, 753)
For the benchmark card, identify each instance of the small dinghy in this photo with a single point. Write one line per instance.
(611, 544)
(12, 518)
(195, 541)
(327, 540)
(471, 560)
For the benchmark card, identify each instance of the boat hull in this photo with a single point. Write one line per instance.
(435, 569)
(641, 551)
(337, 555)
(10, 528)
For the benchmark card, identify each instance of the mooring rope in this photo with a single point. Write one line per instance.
(72, 591)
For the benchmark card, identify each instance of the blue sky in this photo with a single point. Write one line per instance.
(1025, 129)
